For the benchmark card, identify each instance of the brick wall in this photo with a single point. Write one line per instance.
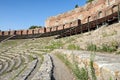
(82, 13)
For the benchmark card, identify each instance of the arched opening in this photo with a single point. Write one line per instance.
(114, 8)
(89, 19)
(71, 24)
(100, 14)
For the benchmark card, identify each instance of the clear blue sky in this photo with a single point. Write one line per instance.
(21, 14)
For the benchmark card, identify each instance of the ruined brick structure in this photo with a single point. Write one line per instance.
(82, 19)
(90, 11)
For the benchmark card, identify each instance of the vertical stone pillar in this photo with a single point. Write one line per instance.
(118, 13)
(88, 23)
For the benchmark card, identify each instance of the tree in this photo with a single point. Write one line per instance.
(33, 27)
(76, 6)
(89, 1)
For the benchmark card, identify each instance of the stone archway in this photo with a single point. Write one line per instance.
(100, 14)
(114, 8)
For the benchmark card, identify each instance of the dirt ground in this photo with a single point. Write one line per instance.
(60, 71)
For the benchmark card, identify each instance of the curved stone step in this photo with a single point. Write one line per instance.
(29, 69)
(18, 61)
(2, 63)
(1, 66)
(11, 62)
(15, 57)
(11, 75)
(6, 65)
(11, 66)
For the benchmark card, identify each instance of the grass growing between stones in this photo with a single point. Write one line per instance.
(91, 47)
(81, 74)
(92, 56)
(73, 47)
(103, 48)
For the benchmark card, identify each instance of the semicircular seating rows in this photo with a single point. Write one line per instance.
(12, 65)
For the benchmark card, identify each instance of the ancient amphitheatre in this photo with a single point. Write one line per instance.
(87, 46)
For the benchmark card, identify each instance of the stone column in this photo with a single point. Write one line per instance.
(118, 13)
(88, 23)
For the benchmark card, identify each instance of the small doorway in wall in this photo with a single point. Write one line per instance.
(114, 9)
(100, 14)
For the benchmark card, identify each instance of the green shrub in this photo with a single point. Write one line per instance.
(103, 47)
(91, 47)
(107, 48)
(92, 56)
(81, 74)
(73, 47)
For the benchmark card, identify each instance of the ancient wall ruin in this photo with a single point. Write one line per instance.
(90, 11)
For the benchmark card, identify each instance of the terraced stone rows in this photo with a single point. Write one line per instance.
(30, 67)
(11, 75)
(5, 66)
(20, 61)
(1, 66)
(10, 63)
(15, 59)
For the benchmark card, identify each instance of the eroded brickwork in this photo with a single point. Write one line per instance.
(93, 10)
